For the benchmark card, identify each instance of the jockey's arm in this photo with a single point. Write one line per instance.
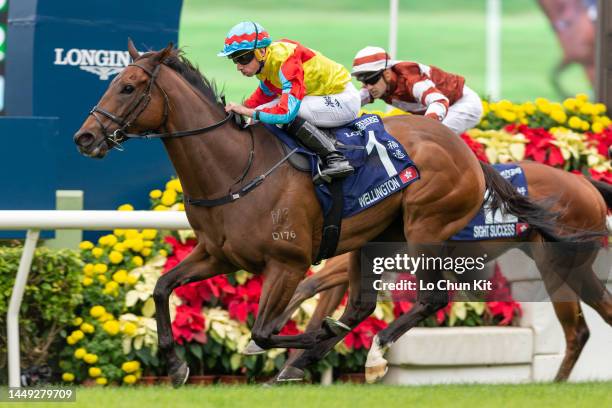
(424, 91)
(365, 96)
(291, 75)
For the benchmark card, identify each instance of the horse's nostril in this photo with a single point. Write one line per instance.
(84, 139)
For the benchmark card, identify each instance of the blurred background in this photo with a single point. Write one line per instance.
(450, 34)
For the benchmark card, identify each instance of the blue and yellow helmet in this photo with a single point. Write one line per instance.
(245, 36)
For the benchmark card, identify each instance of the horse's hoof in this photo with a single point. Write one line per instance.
(336, 326)
(180, 375)
(289, 374)
(252, 349)
(376, 373)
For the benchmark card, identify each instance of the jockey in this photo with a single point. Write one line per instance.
(299, 88)
(417, 88)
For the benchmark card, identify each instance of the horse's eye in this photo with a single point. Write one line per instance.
(128, 89)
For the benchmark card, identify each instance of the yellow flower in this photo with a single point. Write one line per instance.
(575, 122)
(97, 252)
(119, 232)
(137, 245)
(119, 247)
(132, 234)
(111, 327)
(587, 109)
(146, 251)
(163, 252)
(68, 377)
(558, 116)
(71, 340)
(97, 311)
(88, 328)
(90, 358)
(168, 198)
(101, 381)
(100, 268)
(77, 321)
(147, 244)
(174, 185)
(582, 97)
(137, 261)
(155, 194)
(120, 276)
(149, 234)
(80, 353)
(77, 335)
(129, 328)
(597, 128)
(130, 366)
(129, 379)
(110, 288)
(508, 116)
(529, 108)
(109, 240)
(115, 257)
(131, 279)
(86, 245)
(160, 208)
(102, 278)
(94, 372)
(106, 317)
(126, 207)
(584, 125)
(600, 108)
(180, 207)
(87, 281)
(88, 269)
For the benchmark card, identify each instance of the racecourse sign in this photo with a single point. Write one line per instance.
(61, 56)
(103, 63)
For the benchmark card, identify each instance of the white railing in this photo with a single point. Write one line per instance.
(35, 221)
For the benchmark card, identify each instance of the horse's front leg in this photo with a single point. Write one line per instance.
(280, 282)
(198, 265)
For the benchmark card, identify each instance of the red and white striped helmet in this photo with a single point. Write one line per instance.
(371, 59)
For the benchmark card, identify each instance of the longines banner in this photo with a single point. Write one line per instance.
(60, 59)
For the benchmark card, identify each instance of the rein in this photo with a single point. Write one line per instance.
(119, 135)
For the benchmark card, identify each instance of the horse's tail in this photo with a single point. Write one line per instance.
(605, 190)
(539, 216)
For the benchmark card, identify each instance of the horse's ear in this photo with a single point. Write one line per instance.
(161, 56)
(132, 50)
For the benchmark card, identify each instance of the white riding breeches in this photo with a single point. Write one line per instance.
(327, 111)
(465, 113)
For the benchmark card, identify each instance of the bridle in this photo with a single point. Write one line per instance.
(120, 134)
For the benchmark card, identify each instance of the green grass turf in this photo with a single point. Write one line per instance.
(374, 396)
(446, 33)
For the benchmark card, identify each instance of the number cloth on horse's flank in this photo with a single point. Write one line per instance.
(488, 224)
(382, 166)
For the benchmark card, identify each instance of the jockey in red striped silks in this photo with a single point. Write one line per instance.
(299, 88)
(417, 88)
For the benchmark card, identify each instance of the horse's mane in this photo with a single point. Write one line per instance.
(191, 73)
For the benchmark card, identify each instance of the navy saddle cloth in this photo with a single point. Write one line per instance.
(489, 224)
(382, 166)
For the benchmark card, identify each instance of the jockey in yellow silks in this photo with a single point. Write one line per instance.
(299, 88)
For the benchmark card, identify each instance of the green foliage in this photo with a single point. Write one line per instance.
(52, 293)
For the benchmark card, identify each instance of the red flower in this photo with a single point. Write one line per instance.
(540, 147)
(188, 325)
(602, 140)
(362, 335)
(506, 310)
(244, 299)
(290, 329)
(476, 147)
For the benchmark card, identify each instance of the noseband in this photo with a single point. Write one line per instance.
(120, 134)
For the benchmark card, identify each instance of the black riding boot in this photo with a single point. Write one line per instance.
(319, 142)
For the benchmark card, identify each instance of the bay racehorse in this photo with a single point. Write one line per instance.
(581, 205)
(161, 95)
